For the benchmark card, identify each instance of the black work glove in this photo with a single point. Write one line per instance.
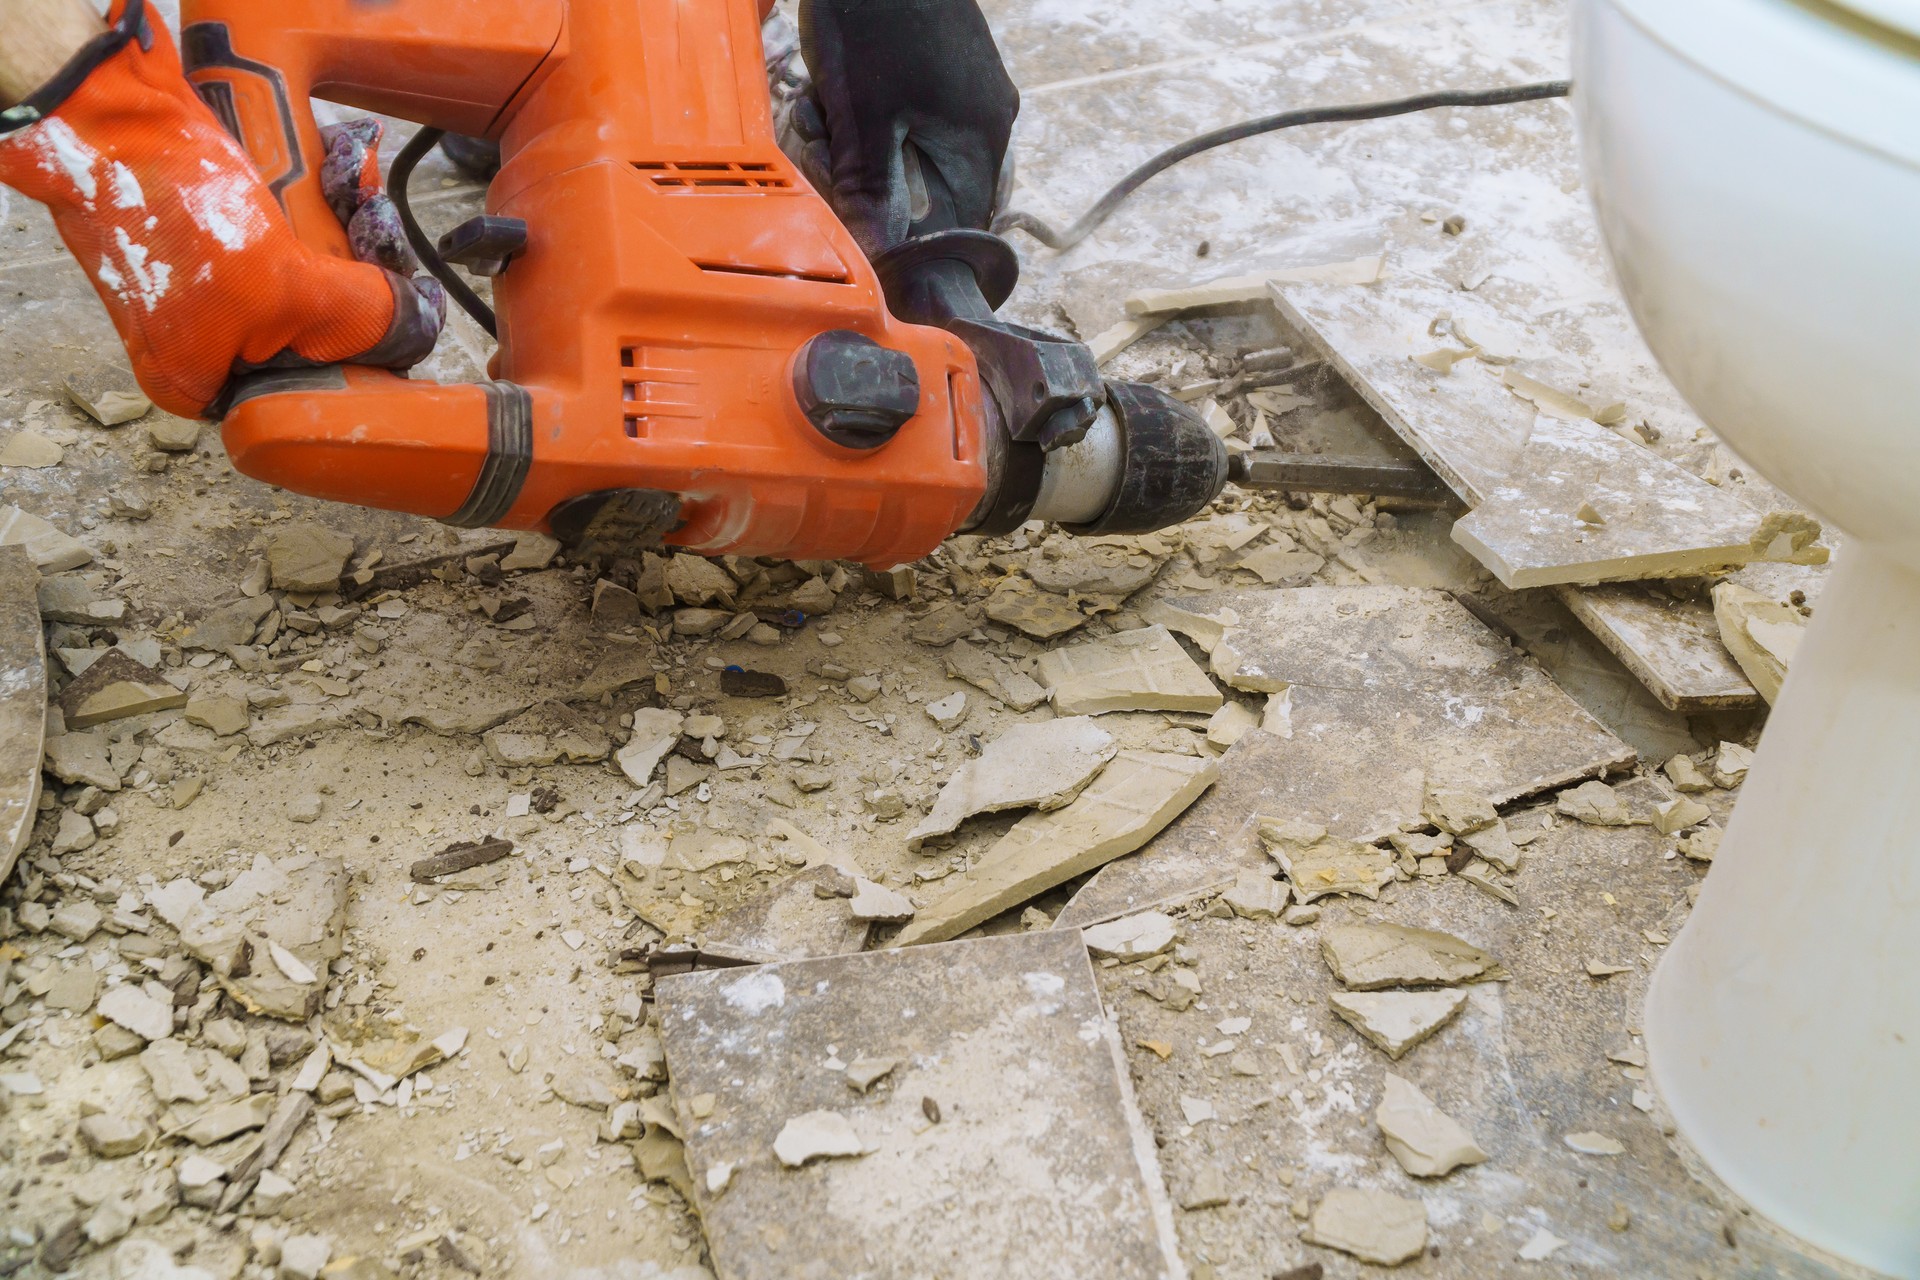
(889, 74)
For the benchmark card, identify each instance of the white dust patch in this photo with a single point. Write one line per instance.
(224, 208)
(757, 993)
(126, 188)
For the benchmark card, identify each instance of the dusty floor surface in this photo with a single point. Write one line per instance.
(504, 1153)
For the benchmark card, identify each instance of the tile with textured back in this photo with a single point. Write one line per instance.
(1008, 1098)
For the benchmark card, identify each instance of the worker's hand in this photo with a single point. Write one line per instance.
(893, 72)
(193, 257)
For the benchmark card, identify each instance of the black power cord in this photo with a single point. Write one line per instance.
(423, 248)
(1061, 241)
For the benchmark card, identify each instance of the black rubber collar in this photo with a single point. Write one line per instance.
(49, 97)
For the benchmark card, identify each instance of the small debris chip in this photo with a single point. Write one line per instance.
(1197, 1110)
(1542, 1246)
(880, 904)
(1589, 1143)
(816, 1135)
(1373, 1226)
(461, 856)
(1208, 1190)
(138, 1012)
(1135, 937)
(109, 395)
(863, 1073)
(1674, 816)
(1601, 969)
(1396, 1021)
(1594, 803)
(1458, 812)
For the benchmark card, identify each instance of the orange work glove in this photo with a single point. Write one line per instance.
(193, 257)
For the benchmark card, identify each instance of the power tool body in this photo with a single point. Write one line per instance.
(692, 347)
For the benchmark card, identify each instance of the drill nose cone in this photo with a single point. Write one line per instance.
(855, 391)
(1172, 464)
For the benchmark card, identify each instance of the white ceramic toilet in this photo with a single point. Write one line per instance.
(1756, 167)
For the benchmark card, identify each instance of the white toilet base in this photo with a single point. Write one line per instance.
(1783, 1026)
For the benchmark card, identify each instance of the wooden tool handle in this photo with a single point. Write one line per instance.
(36, 39)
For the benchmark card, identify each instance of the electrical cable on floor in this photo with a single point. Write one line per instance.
(423, 248)
(1061, 241)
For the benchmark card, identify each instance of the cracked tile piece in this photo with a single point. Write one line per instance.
(115, 687)
(307, 557)
(1396, 1021)
(50, 550)
(1002, 1029)
(23, 704)
(1143, 670)
(1763, 635)
(1017, 604)
(1126, 806)
(1367, 957)
(1374, 1226)
(1318, 864)
(1426, 1141)
(1040, 766)
(993, 676)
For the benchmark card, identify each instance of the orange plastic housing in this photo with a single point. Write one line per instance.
(675, 264)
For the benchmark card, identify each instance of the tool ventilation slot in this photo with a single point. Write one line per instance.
(714, 175)
(656, 385)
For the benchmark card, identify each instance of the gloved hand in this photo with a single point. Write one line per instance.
(887, 73)
(193, 257)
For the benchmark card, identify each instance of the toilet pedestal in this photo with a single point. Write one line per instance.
(1784, 1024)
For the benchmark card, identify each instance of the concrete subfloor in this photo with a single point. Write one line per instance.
(1105, 84)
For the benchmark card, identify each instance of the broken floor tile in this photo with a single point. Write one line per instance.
(1426, 1141)
(1001, 1029)
(1360, 760)
(1128, 804)
(1368, 957)
(1042, 766)
(1396, 1021)
(1374, 1226)
(1143, 670)
(23, 704)
(1202, 851)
